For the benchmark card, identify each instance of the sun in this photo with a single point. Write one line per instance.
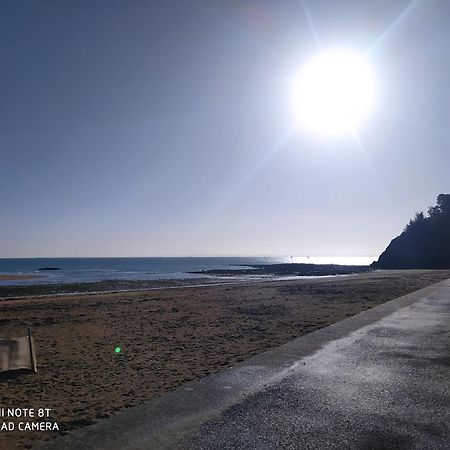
(334, 92)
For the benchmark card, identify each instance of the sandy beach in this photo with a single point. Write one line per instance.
(168, 337)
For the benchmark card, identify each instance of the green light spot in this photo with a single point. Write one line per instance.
(117, 349)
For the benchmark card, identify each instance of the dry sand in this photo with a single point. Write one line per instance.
(168, 337)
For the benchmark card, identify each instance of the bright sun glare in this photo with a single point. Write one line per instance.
(334, 92)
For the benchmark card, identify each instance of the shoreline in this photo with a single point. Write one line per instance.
(17, 291)
(181, 284)
(26, 292)
(245, 273)
(11, 277)
(298, 269)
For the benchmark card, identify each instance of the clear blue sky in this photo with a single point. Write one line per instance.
(142, 128)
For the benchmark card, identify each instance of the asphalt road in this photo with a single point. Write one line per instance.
(378, 380)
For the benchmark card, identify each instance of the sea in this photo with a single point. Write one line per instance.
(79, 270)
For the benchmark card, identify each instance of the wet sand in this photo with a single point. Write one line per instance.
(19, 277)
(168, 337)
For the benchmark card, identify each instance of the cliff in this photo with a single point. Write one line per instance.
(424, 243)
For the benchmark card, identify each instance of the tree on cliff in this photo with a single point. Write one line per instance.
(424, 243)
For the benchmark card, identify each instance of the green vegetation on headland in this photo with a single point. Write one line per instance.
(424, 243)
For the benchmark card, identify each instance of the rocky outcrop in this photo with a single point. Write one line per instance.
(424, 243)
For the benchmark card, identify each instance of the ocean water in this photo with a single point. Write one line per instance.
(74, 270)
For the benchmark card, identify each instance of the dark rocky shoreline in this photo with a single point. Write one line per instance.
(289, 270)
(12, 291)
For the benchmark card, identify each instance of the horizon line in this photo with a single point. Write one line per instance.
(191, 256)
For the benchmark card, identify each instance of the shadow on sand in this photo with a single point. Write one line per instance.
(13, 374)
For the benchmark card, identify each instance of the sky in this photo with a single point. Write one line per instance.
(166, 128)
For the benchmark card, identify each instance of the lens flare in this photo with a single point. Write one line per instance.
(334, 92)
